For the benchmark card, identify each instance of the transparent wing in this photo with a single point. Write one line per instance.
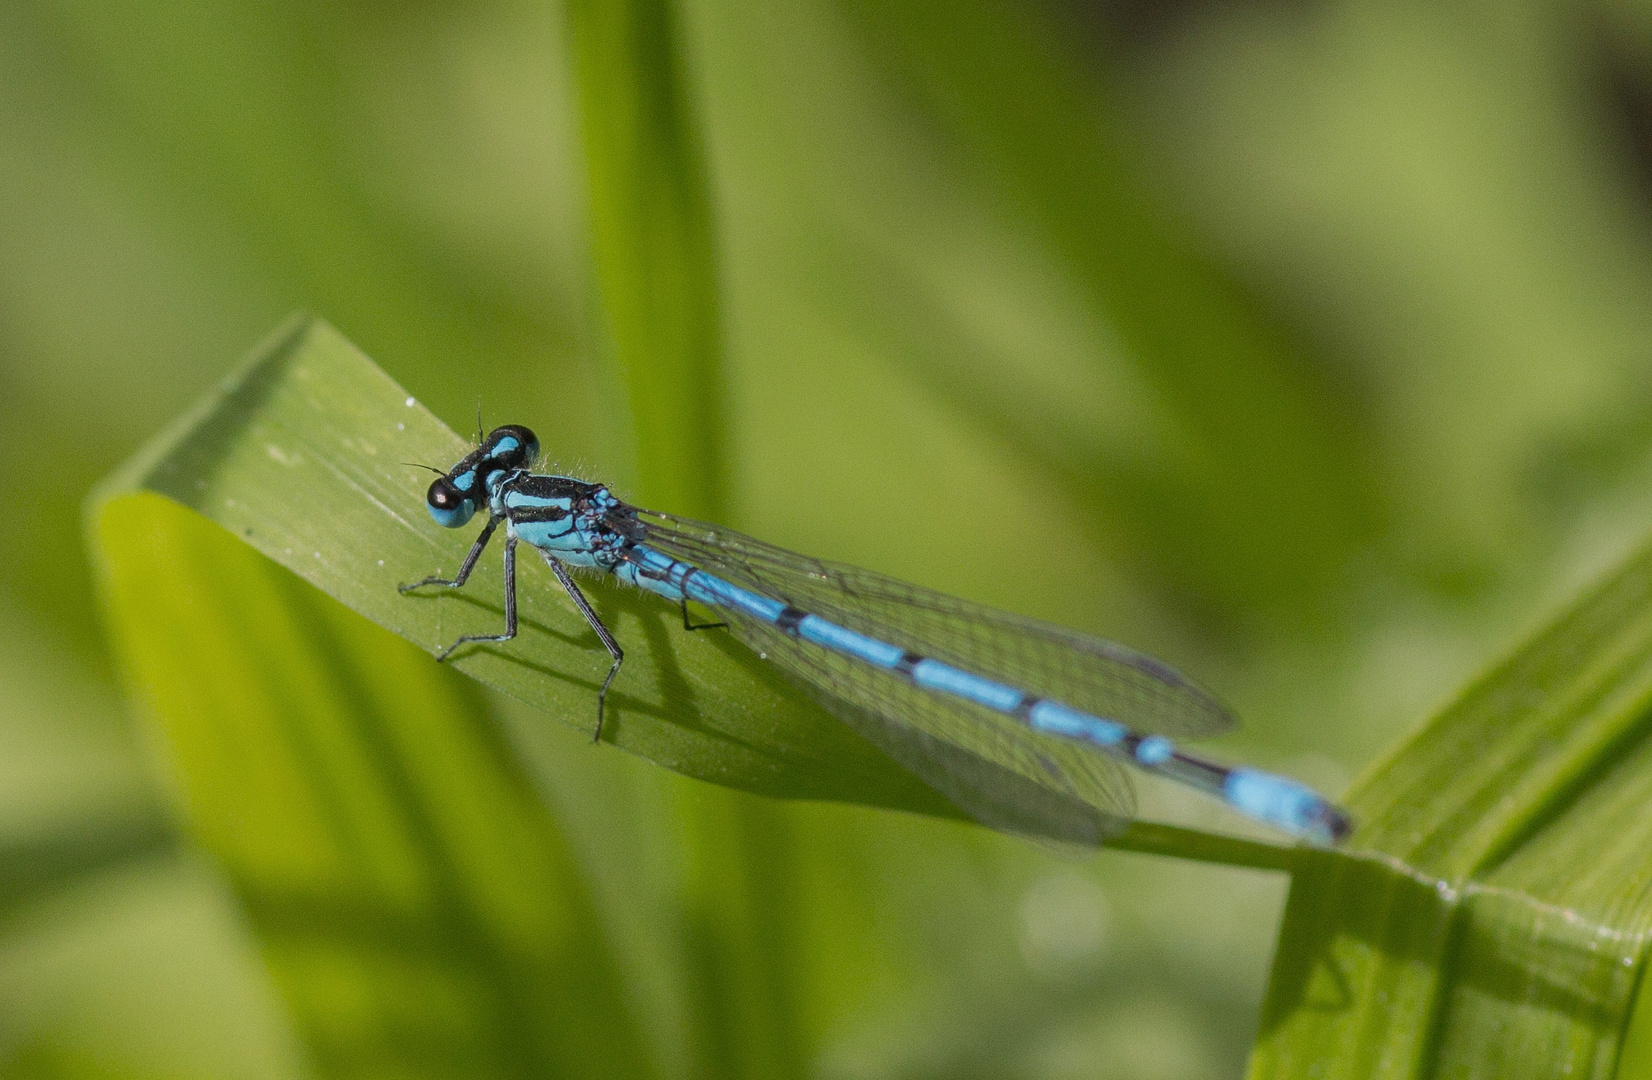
(1100, 677)
(999, 770)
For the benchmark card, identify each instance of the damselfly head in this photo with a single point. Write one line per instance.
(455, 495)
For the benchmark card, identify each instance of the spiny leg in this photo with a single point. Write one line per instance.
(699, 626)
(465, 568)
(600, 630)
(510, 603)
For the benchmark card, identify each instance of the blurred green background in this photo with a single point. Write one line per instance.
(1304, 344)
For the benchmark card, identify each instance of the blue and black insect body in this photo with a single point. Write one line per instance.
(1020, 722)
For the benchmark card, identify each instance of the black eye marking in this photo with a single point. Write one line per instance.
(443, 496)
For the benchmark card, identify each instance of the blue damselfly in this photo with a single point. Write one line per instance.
(1022, 723)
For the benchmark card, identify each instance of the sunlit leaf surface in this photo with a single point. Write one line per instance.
(302, 457)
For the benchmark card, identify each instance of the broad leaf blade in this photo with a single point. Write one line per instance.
(301, 456)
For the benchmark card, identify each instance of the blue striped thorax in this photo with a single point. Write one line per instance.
(563, 516)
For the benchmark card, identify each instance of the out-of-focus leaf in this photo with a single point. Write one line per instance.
(652, 243)
(1479, 282)
(1262, 490)
(655, 270)
(1496, 915)
(120, 954)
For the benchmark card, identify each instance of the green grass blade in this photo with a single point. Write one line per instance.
(1496, 916)
(416, 903)
(652, 241)
(301, 457)
(118, 947)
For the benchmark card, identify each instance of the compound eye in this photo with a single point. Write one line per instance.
(450, 508)
(441, 495)
(512, 446)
